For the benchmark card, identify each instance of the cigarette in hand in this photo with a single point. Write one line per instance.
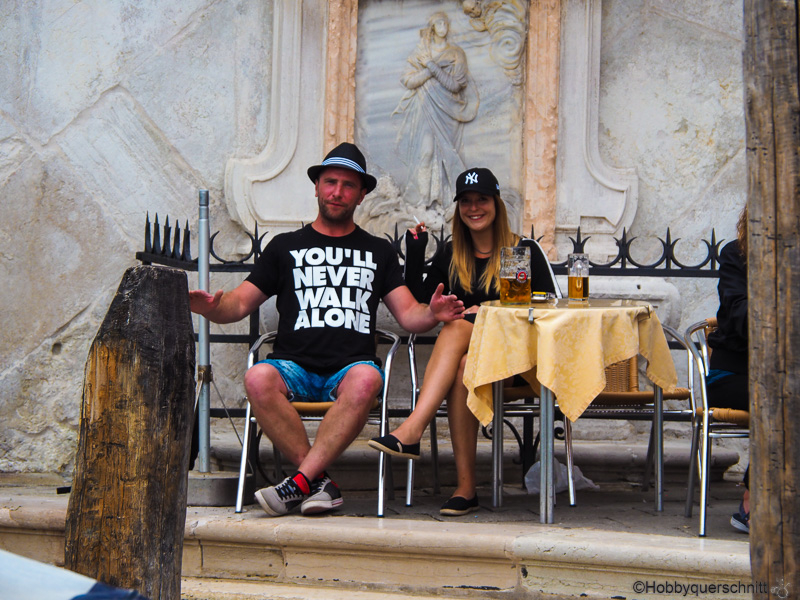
(416, 220)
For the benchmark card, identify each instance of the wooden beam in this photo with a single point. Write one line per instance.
(772, 105)
(127, 510)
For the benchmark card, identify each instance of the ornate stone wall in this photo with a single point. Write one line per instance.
(671, 105)
(108, 110)
(111, 110)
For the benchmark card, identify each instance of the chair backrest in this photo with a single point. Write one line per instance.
(542, 277)
(711, 325)
(696, 338)
(623, 376)
(622, 383)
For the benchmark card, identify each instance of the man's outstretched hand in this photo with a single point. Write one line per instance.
(446, 307)
(202, 303)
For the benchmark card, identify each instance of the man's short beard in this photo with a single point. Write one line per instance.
(340, 218)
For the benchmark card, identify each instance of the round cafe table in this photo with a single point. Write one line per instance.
(566, 347)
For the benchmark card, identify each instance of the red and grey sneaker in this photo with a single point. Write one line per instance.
(324, 496)
(285, 497)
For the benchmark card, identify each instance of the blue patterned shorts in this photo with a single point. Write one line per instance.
(307, 386)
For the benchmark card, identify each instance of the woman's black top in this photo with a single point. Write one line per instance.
(423, 281)
(729, 341)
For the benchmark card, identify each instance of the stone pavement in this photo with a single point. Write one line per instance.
(617, 504)
(604, 547)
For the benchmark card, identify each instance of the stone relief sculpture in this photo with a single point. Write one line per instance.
(441, 96)
(505, 22)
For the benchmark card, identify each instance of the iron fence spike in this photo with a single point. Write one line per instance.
(176, 241)
(186, 253)
(156, 237)
(148, 244)
(167, 235)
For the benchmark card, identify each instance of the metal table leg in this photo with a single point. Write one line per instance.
(497, 445)
(658, 427)
(546, 488)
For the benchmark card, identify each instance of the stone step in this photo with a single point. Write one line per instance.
(601, 548)
(230, 589)
(413, 552)
(477, 560)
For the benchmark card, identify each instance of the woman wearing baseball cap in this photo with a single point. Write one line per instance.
(469, 267)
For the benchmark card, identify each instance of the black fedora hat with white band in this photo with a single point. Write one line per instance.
(345, 156)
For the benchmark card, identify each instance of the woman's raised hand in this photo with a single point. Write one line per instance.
(417, 229)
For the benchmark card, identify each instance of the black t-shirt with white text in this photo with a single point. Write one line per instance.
(328, 290)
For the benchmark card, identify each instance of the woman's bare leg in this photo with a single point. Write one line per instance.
(440, 373)
(463, 434)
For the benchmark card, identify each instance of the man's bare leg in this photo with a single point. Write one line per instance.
(284, 427)
(280, 422)
(344, 420)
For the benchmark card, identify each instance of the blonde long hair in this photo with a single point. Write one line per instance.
(462, 267)
(741, 232)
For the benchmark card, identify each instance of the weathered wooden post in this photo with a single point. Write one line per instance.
(772, 104)
(127, 511)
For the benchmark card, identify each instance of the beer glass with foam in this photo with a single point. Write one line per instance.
(515, 275)
(578, 277)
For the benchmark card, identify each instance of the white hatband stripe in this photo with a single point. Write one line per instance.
(345, 162)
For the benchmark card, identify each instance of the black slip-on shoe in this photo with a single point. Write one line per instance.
(457, 506)
(391, 445)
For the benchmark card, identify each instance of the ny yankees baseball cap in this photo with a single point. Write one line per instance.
(479, 180)
(345, 156)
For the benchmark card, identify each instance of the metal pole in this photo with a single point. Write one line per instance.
(203, 360)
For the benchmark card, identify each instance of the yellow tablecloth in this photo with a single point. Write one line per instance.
(569, 346)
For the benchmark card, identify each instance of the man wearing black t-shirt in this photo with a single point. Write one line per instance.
(329, 278)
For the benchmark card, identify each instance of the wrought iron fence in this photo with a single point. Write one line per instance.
(175, 251)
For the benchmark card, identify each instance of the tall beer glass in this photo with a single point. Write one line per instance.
(578, 277)
(515, 275)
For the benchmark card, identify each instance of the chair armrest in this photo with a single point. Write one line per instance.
(267, 338)
(388, 336)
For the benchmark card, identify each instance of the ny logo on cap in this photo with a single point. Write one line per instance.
(471, 178)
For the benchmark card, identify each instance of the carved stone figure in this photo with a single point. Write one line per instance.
(505, 22)
(441, 96)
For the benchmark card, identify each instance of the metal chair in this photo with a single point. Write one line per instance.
(542, 277)
(519, 400)
(708, 423)
(623, 400)
(315, 411)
